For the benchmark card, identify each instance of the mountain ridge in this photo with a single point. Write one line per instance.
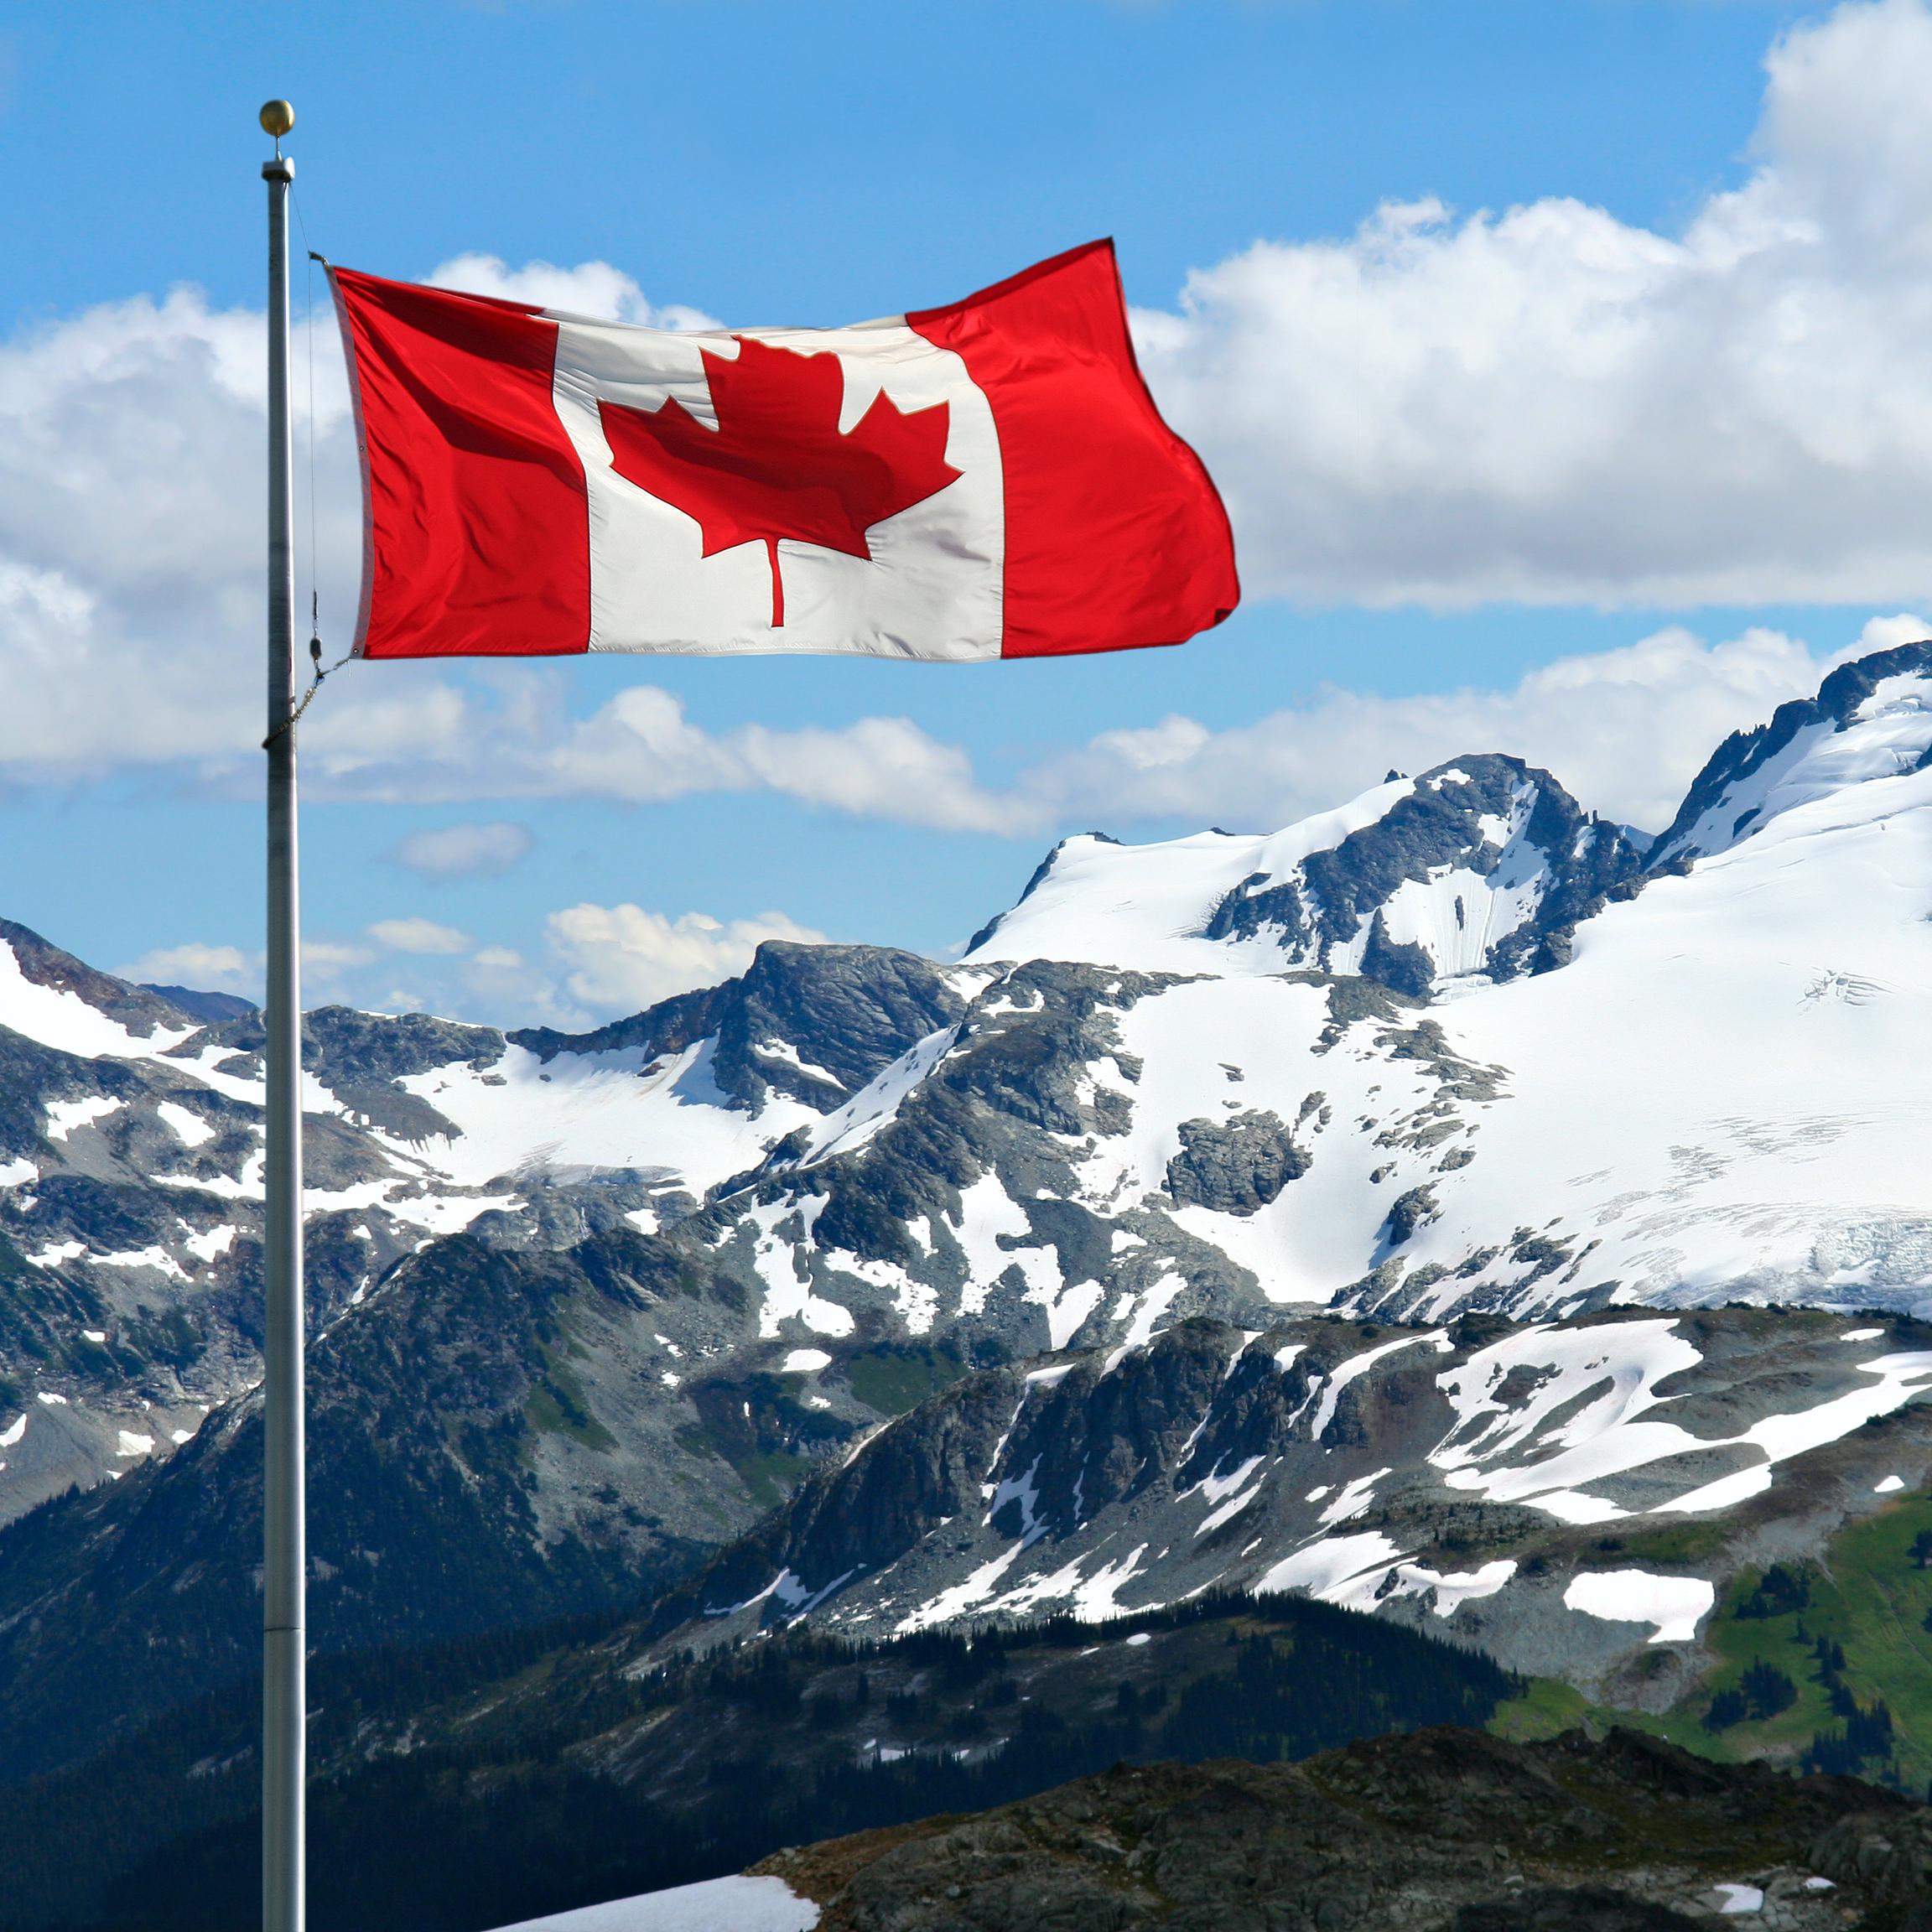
(719, 1244)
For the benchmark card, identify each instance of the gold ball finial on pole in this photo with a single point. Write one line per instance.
(276, 117)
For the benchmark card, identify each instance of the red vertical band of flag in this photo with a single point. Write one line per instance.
(477, 541)
(1115, 534)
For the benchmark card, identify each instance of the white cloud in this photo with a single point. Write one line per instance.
(1623, 730)
(620, 959)
(208, 969)
(130, 532)
(418, 935)
(1550, 404)
(326, 957)
(592, 289)
(423, 740)
(597, 963)
(464, 851)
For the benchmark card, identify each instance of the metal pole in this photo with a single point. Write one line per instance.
(284, 1707)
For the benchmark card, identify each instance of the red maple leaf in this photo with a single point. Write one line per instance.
(777, 464)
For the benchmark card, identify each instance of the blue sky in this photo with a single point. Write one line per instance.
(819, 165)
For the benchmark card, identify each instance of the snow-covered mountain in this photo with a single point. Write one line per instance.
(1456, 1045)
(1478, 872)
(130, 1157)
(589, 1307)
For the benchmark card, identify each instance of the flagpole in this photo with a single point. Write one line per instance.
(284, 1712)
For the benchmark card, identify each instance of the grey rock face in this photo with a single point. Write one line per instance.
(1236, 1165)
(818, 1022)
(890, 1234)
(1494, 818)
(812, 1022)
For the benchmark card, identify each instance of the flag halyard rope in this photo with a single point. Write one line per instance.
(321, 675)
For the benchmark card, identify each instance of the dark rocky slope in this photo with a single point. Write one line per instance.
(487, 1450)
(1444, 1830)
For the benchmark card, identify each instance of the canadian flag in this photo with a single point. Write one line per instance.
(983, 480)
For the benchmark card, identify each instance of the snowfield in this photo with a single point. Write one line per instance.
(1674, 1605)
(734, 1904)
(587, 1111)
(1722, 1093)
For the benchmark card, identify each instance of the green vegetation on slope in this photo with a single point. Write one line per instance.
(1821, 1665)
(1867, 1602)
(895, 1378)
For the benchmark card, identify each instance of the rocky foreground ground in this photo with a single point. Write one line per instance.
(1442, 1829)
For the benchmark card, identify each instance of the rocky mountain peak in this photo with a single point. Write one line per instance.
(811, 1023)
(1482, 865)
(1478, 869)
(142, 1011)
(1871, 718)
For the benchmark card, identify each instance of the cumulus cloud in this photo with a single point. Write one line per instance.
(418, 935)
(511, 738)
(1624, 731)
(130, 532)
(207, 968)
(325, 957)
(619, 959)
(464, 851)
(592, 289)
(1549, 404)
